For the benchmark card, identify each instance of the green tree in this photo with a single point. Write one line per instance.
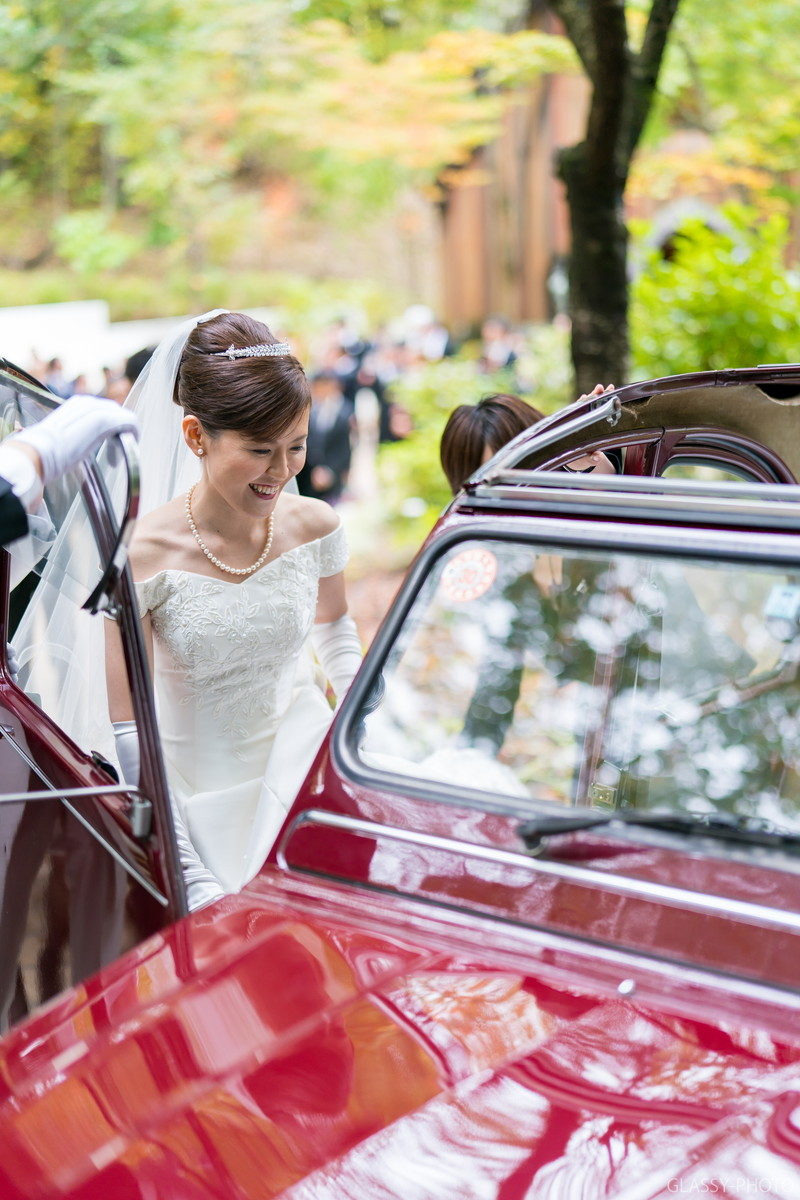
(163, 118)
(623, 78)
(736, 78)
(47, 143)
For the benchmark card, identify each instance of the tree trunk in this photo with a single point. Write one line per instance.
(595, 172)
(598, 301)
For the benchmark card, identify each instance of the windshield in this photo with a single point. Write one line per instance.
(603, 679)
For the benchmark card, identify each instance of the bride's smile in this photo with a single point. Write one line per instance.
(246, 473)
(238, 584)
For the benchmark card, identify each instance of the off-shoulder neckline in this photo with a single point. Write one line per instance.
(245, 579)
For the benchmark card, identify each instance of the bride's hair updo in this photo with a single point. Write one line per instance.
(259, 396)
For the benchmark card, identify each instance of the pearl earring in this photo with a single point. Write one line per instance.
(200, 451)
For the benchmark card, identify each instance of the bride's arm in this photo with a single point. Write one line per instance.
(334, 635)
(119, 696)
(331, 599)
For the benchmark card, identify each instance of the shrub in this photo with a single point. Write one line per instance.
(724, 300)
(154, 287)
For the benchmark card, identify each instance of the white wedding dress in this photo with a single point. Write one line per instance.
(240, 712)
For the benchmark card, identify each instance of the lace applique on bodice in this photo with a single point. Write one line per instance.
(231, 650)
(240, 713)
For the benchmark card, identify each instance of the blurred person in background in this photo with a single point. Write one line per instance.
(117, 389)
(342, 352)
(79, 386)
(54, 378)
(498, 346)
(329, 446)
(426, 337)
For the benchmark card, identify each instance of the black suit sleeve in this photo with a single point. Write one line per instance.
(13, 518)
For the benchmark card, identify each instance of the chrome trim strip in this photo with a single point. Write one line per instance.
(744, 910)
(626, 504)
(116, 789)
(104, 528)
(730, 545)
(642, 484)
(59, 795)
(509, 935)
(620, 508)
(18, 379)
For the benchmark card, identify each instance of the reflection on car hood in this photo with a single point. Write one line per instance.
(272, 1047)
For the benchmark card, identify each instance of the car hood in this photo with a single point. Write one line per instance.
(317, 1042)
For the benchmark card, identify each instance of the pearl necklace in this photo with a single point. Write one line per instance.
(221, 565)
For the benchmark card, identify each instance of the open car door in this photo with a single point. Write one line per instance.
(88, 866)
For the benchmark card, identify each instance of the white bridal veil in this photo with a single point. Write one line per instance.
(168, 466)
(59, 646)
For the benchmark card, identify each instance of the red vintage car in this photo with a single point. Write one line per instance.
(532, 927)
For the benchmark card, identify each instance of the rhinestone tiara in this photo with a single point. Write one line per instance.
(262, 350)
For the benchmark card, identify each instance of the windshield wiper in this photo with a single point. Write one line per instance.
(753, 831)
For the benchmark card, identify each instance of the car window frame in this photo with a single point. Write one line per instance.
(753, 547)
(111, 540)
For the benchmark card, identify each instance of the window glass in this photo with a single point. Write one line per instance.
(704, 472)
(591, 678)
(60, 654)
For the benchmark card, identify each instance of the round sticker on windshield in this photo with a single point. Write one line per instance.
(469, 575)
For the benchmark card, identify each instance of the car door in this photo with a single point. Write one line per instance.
(88, 868)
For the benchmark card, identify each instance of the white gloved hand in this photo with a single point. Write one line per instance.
(19, 469)
(338, 648)
(12, 662)
(202, 886)
(74, 431)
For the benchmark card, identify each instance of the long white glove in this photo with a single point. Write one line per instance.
(18, 470)
(202, 886)
(338, 648)
(74, 431)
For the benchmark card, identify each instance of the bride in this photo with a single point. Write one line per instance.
(234, 575)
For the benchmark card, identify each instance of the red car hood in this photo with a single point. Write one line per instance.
(320, 1042)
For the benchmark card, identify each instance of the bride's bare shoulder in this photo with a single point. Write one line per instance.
(158, 538)
(310, 519)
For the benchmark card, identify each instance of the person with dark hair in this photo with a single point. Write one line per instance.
(475, 432)
(135, 363)
(235, 577)
(118, 388)
(329, 448)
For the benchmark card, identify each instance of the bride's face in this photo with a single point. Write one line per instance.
(249, 473)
